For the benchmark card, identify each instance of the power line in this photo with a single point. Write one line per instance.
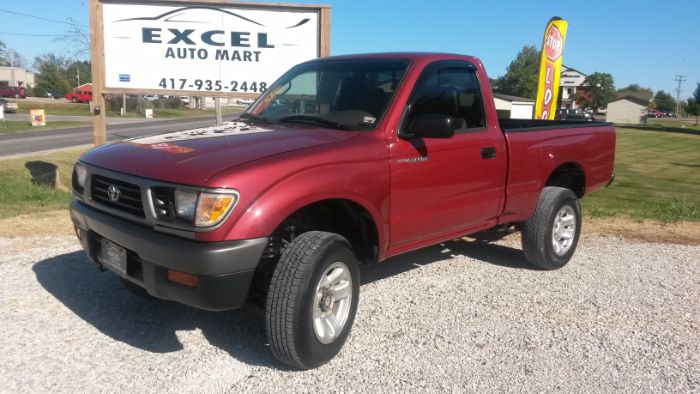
(41, 18)
(7, 33)
(680, 79)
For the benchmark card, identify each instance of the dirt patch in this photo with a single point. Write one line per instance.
(41, 224)
(685, 233)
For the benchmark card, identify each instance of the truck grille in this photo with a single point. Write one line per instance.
(128, 198)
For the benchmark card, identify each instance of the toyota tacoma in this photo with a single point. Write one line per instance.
(343, 161)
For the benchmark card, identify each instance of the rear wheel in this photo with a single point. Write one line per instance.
(550, 236)
(312, 299)
(74, 100)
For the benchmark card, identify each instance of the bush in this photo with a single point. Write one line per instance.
(36, 91)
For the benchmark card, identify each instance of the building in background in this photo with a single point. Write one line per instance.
(16, 76)
(628, 109)
(512, 107)
(572, 85)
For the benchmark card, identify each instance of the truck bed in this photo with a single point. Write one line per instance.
(516, 125)
(537, 147)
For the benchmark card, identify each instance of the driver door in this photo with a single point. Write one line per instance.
(441, 186)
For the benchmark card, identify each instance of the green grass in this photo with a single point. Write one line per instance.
(53, 108)
(20, 196)
(657, 177)
(16, 126)
(673, 123)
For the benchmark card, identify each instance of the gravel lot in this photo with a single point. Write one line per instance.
(622, 316)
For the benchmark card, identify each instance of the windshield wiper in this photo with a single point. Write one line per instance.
(306, 119)
(251, 117)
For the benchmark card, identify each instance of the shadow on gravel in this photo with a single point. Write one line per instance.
(150, 324)
(480, 249)
(147, 323)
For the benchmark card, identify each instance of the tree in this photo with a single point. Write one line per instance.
(3, 54)
(50, 75)
(78, 69)
(522, 74)
(600, 91)
(634, 88)
(9, 57)
(77, 37)
(59, 74)
(664, 101)
(693, 106)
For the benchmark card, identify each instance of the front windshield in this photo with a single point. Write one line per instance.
(351, 94)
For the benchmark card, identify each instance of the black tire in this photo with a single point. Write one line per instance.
(290, 299)
(74, 100)
(537, 231)
(134, 288)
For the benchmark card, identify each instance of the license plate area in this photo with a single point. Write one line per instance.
(113, 257)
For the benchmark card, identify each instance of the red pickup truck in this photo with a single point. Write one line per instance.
(81, 94)
(342, 161)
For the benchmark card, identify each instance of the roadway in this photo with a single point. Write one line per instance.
(73, 118)
(22, 143)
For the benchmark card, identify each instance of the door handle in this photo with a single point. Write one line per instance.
(488, 152)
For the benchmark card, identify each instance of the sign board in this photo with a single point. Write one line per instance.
(213, 48)
(205, 48)
(37, 117)
(149, 113)
(2, 111)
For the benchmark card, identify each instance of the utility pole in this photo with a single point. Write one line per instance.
(680, 79)
(217, 105)
(13, 81)
(77, 70)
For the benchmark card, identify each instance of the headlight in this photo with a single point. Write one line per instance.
(212, 208)
(185, 204)
(203, 209)
(79, 175)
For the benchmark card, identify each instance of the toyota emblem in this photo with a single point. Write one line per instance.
(113, 192)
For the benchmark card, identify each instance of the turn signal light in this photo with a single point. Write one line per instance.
(183, 278)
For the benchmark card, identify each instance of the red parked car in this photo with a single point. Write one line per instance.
(81, 94)
(14, 91)
(343, 161)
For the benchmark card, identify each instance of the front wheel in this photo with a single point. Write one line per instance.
(74, 100)
(312, 299)
(550, 236)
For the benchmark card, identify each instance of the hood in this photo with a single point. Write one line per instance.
(190, 157)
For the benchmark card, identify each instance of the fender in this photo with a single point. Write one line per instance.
(365, 187)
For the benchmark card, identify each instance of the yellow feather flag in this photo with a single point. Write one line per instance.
(550, 68)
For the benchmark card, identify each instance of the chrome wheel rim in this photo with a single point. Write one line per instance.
(563, 230)
(332, 302)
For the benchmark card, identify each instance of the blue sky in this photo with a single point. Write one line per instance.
(644, 42)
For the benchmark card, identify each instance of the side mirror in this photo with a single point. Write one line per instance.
(431, 126)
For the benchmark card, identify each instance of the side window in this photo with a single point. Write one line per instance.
(451, 91)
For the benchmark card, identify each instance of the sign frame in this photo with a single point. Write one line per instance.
(97, 51)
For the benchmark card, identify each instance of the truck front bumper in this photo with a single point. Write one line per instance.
(224, 269)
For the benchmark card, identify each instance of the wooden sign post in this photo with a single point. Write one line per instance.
(184, 47)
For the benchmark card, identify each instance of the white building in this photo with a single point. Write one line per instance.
(517, 107)
(571, 83)
(16, 76)
(627, 109)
